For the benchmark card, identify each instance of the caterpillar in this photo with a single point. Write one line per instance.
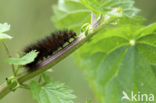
(48, 46)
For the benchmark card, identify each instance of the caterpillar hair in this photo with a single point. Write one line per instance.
(48, 46)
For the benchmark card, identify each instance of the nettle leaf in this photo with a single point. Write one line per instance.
(135, 20)
(146, 31)
(3, 28)
(28, 58)
(4, 36)
(147, 42)
(120, 59)
(72, 14)
(112, 7)
(51, 92)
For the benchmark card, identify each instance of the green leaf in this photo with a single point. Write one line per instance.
(148, 51)
(3, 28)
(147, 42)
(4, 36)
(128, 69)
(51, 92)
(120, 59)
(148, 30)
(135, 20)
(28, 58)
(109, 39)
(112, 7)
(71, 14)
(154, 69)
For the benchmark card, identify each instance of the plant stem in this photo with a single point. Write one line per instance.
(53, 60)
(9, 55)
(92, 18)
(4, 90)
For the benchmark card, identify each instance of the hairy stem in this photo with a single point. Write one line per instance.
(53, 60)
(92, 18)
(9, 55)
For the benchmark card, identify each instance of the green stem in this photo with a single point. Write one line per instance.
(4, 90)
(9, 55)
(47, 64)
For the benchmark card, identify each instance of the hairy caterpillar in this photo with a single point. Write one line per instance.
(48, 46)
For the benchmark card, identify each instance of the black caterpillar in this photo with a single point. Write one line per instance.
(48, 46)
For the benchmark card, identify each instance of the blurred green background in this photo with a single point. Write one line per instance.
(31, 20)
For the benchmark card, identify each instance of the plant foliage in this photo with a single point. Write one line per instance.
(51, 92)
(3, 28)
(119, 58)
(28, 58)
